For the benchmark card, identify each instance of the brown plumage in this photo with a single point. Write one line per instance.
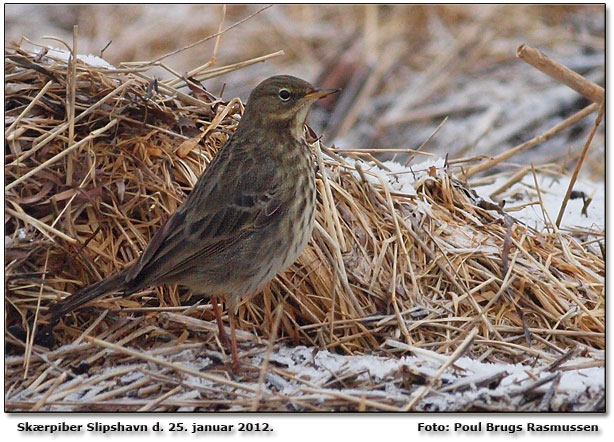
(249, 216)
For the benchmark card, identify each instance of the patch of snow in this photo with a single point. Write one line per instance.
(308, 374)
(405, 179)
(319, 367)
(92, 60)
(21, 235)
(553, 191)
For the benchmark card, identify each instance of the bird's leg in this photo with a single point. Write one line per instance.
(236, 366)
(220, 325)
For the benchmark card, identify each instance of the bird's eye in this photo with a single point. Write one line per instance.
(284, 94)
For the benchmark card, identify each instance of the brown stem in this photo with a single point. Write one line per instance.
(534, 141)
(561, 73)
(576, 171)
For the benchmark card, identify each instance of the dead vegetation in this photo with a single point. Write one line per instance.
(96, 158)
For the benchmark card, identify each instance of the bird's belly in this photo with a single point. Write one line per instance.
(297, 241)
(291, 237)
(261, 259)
(247, 266)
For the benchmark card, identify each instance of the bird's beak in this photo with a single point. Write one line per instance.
(316, 94)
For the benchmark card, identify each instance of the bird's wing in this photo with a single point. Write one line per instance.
(230, 200)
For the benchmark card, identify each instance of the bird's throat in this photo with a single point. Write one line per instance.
(298, 123)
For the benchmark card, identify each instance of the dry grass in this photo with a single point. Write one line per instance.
(87, 186)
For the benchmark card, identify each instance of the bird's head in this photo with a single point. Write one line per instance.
(284, 100)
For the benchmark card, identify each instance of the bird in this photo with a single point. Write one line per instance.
(248, 217)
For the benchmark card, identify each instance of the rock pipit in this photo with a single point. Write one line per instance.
(249, 216)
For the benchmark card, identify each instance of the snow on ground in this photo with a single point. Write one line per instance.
(553, 191)
(321, 367)
(405, 179)
(304, 375)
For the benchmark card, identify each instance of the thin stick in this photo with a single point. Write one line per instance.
(576, 171)
(174, 92)
(30, 343)
(337, 394)
(71, 92)
(534, 141)
(561, 73)
(198, 324)
(133, 386)
(457, 354)
(39, 225)
(162, 398)
(213, 59)
(217, 40)
(202, 73)
(60, 379)
(376, 150)
(517, 177)
(196, 43)
(333, 220)
(419, 149)
(393, 295)
(265, 365)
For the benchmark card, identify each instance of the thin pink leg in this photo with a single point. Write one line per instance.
(220, 325)
(236, 366)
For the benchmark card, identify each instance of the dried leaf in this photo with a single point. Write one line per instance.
(188, 145)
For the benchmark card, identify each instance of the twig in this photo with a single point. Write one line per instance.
(161, 399)
(265, 364)
(576, 171)
(366, 402)
(419, 149)
(472, 382)
(196, 43)
(533, 385)
(453, 357)
(544, 405)
(198, 324)
(60, 379)
(30, 342)
(566, 357)
(561, 73)
(39, 225)
(568, 122)
(71, 92)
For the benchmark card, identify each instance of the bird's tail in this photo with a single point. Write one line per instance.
(115, 282)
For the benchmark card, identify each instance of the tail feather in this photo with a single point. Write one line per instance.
(115, 282)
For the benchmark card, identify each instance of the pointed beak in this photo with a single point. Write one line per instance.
(316, 94)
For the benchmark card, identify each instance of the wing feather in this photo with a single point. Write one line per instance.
(216, 215)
